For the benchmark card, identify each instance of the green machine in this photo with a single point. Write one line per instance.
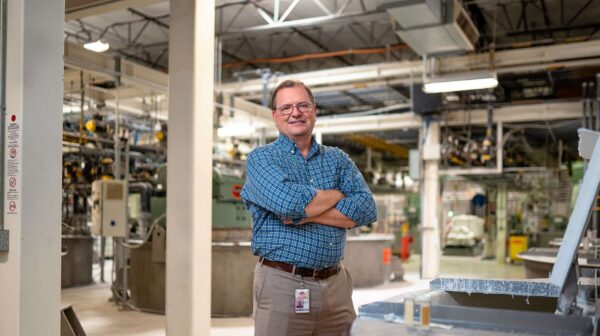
(231, 223)
(228, 210)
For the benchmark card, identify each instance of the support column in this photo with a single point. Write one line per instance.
(501, 234)
(189, 175)
(430, 244)
(30, 269)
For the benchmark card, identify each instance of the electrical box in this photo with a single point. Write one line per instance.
(424, 103)
(109, 208)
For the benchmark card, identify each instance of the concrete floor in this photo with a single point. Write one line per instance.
(100, 317)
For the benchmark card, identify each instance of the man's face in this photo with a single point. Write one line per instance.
(297, 124)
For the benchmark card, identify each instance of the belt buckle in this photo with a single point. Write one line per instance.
(314, 275)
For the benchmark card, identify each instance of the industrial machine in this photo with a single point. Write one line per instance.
(563, 304)
(233, 261)
(145, 279)
(140, 258)
(464, 236)
(231, 220)
(77, 242)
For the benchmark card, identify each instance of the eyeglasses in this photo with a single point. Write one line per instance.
(288, 108)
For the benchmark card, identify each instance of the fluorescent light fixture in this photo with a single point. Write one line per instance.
(461, 82)
(97, 46)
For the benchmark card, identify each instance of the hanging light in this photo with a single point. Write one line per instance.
(461, 82)
(97, 46)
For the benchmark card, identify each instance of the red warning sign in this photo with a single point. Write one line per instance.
(12, 182)
(12, 206)
(13, 153)
(236, 190)
(13, 118)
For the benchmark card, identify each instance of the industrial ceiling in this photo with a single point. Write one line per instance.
(522, 38)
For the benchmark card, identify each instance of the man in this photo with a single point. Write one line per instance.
(302, 197)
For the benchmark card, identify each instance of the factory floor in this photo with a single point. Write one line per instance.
(100, 317)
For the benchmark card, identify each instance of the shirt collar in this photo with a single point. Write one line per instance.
(289, 146)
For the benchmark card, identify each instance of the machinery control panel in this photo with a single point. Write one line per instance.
(109, 208)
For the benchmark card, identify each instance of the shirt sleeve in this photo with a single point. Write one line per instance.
(268, 187)
(359, 205)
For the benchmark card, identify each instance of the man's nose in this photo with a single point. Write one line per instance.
(296, 111)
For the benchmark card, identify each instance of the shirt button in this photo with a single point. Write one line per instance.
(292, 151)
(311, 181)
(330, 244)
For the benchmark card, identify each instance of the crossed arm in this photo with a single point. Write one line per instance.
(268, 187)
(322, 210)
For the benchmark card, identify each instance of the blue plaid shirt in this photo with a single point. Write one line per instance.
(280, 183)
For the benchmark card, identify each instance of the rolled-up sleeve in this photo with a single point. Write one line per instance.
(359, 205)
(268, 187)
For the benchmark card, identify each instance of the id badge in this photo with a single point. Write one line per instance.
(302, 300)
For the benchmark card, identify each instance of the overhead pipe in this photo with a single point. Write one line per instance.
(328, 54)
(117, 139)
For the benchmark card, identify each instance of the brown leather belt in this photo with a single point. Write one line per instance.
(302, 271)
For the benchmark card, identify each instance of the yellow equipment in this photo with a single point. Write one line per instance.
(516, 245)
(91, 125)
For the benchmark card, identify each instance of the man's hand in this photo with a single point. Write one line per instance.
(304, 221)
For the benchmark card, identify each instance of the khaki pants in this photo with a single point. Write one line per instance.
(331, 307)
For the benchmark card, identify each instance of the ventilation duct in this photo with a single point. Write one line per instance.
(433, 27)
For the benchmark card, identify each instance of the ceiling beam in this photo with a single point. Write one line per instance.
(301, 33)
(150, 18)
(255, 110)
(78, 9)
(139, 108)
(77, 57)
(550, 30)
(507, 114)
(338, 20)
(377, 143)
(516, 114)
